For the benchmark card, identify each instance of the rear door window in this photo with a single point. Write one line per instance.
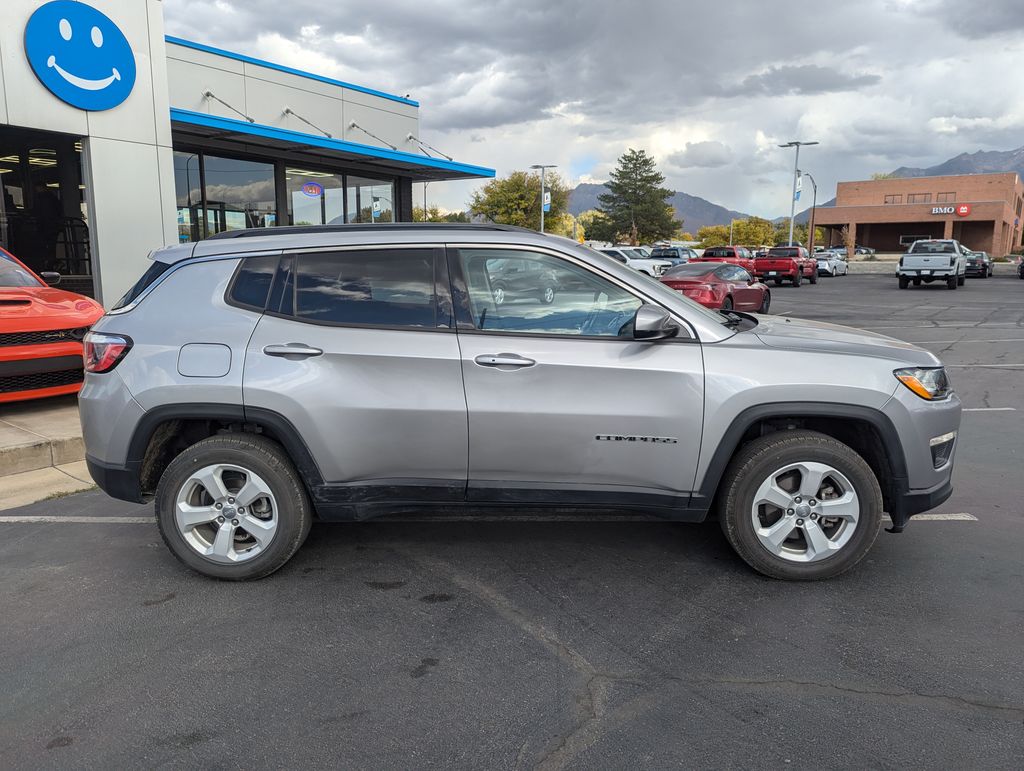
(371, 287)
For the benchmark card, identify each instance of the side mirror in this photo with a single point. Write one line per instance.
(52, 278)
(652, 322)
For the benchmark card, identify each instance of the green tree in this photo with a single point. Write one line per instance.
(800, 233)
(433, 214)
(515, 200)
(687, 237)
(713, 235)
(753, 231)
(597, 226)
(636, 203)
(883, 175)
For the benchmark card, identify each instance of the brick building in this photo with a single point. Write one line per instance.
(982, 211)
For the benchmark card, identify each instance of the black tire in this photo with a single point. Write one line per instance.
(904, 282)
(547, 295)
(798, 278)
(814, 277)
(727, 304)
(778, 281)
(264, 458)
(500, 294)
(961, 280)
(952, 283)
(766, 303)
(755, 462)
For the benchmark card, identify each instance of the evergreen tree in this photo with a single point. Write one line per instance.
(636, 203)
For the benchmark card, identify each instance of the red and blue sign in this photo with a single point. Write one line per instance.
(313, 189)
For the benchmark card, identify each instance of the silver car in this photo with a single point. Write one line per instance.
(251, 383)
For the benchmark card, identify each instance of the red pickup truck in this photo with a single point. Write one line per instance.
(786, 263)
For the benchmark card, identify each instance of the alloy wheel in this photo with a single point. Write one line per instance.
(805, 512)
(226, 513)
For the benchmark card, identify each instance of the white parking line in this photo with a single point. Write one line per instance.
(32, 520)
(959, 517)
(990, 409)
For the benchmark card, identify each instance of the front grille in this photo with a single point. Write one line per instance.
(43, 336)
(62, 377)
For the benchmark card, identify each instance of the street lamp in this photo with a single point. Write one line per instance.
(542, 167)
(814, 204)
(796, 175)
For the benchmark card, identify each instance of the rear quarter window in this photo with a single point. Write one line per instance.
(252, 281)
(153, 272)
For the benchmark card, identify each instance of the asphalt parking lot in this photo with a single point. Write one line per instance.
(517, 644)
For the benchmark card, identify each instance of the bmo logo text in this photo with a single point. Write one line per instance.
(962, 210)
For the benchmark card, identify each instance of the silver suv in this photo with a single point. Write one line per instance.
(254, 382)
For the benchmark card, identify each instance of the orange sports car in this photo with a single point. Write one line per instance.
(41, 331)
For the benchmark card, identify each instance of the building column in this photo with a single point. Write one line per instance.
(947, 229)
(403, 210)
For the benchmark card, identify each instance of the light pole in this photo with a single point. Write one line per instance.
(542, 167)
(796, 174)
(814, 203)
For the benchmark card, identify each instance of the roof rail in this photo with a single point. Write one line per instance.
(285, 230)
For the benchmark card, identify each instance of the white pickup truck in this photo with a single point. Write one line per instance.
(933, 260)
(637, 261)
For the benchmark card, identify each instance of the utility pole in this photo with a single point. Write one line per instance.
(796, 175)
(542, 167)
(814, 204)
(731, 223)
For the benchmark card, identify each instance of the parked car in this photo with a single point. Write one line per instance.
(933, 260)
(858, 249)
(1020, 267)
(677, 255)
(735, 255)
(719, 286)
(41, 332)
(979, 264)
(513, 279)
(379, 374)
(787, 263)
(634, 259)
(832, 264)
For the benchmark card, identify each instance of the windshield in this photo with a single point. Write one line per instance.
(932, 247)
(692, 269)
(13, 274)
(636, 254)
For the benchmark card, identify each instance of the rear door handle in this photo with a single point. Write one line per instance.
(291, 349)
(503, 360)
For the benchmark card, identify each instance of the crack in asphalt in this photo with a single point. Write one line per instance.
(916, 698)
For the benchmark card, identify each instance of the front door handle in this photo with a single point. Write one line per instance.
(291, 349)
(503, 360)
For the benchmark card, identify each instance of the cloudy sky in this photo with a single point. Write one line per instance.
(708, 88)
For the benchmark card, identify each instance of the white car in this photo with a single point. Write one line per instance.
(934, 260)
(832, 264)
(635, 259)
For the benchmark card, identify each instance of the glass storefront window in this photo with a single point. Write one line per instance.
(370, 200)
(315, 197)
(189, 194)
(239, 194)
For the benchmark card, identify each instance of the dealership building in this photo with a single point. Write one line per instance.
(115, 140)
(982, 211)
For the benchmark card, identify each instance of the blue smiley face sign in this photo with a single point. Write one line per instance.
(80, 55)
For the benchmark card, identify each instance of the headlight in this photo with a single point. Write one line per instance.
(929, 383)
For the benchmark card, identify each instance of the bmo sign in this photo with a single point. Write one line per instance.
(962, 210)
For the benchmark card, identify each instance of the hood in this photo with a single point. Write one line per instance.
(803, 335)
(31, 309)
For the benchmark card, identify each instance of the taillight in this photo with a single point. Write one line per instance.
(952, 261)
(102, 352)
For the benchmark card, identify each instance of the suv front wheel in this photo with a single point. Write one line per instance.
(233, 507)
(800, 505)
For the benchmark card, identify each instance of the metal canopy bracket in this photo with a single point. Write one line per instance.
(210, 95)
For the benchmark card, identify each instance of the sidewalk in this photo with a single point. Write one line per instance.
(41, 451)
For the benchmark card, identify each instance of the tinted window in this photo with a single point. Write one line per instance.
(153, 272)
(719, 251)
(557, 296)
(690, 269)
(385, 287)
(666, 252)
(252, 282)
(932, 247)
(787, 252)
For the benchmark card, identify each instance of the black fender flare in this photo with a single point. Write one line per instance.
(707, 487)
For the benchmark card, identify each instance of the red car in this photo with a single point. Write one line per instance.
(787, 263)
(735, 255)
(41, 331)
(719, 286)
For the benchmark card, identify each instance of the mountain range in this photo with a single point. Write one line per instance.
(696, 212)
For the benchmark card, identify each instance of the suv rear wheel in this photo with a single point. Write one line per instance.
(233, 507)
(800, 505)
